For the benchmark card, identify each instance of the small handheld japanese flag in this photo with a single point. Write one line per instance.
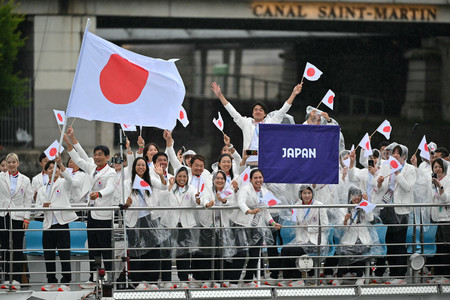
(60, 116)
(424, 150)
(245, 176)
(394, 164)
(385, 129)
(219, 122)
(328, 99)
(126, 127)
(311, 72)
(140, 184)
(294, 215)
(226, 192)
(52, 150)
(366, 206)
(365, 144)
(270, 199)
(182, 117)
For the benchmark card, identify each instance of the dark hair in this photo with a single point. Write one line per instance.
(2, 160)
(102, 148)
(254, 171)
(231, 169)
(399, 149)
(42, 156)
(124, 157)
(383, 143)
(146, 176)
(182, 169)
(444, 152)
(263, 106)
(49, 163)
(67, 164)
(158, 154)
(199, 157)
(376, 153)
(215, 176)
(146, 147)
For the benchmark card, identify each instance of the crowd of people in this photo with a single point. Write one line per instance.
(221, 247)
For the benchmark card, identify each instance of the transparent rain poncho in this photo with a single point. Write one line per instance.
(145, 235)
(323, 121)
(366, 242)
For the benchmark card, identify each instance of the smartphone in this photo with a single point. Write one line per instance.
(251, 152)
(371, 163)
(434, 175)
(183, 149)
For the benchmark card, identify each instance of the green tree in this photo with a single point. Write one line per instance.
(12, 86)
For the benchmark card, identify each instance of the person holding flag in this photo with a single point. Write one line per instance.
(38, 181)
(102, 178)
(249, 126)
(56, 196)
(143, 240)
(357, 240)
(253, 215)
(365, 178)
(15, 192)
(396, 187)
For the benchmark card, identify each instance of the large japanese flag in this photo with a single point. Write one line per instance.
(116, 85)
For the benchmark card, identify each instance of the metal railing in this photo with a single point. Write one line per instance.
(312, 267)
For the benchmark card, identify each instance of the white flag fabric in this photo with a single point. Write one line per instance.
(328, 99)
(245, 176)
(365, 144)
(126, 127)
(394, 164)
(385, 129)
(366, 206)
(116, 85)
(311, 72)
(60, 116)
(182, 117)
(219, 122)
(226, 192)
(141, 184)
(52, 151)
(424, 150)
(294, 215)
(270, 200)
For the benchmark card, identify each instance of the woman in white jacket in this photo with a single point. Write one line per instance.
(253, 216)
(181, 222)
(309, 234)
(15, 192)
(58, 237)
(143, 237)
(441, 195)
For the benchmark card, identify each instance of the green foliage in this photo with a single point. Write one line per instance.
(12, 87)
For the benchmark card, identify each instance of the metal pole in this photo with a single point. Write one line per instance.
(125, 240)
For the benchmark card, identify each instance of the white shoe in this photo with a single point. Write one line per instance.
(226, 284)
(215, 285)
(5, 285)
(283, 283)
(250, 284)
(194, 284)
(182, 285)
(141, 286)
(233, 286)
(271, 281)
(328, 279)
(64, 288)
(49, 287)
(205, 285)
(396, 281)
(87, 285)
(167, 285)
(152, 287)
(441, 280)
(15, 285)
(297, 283)
(336, 282)
(360, 281)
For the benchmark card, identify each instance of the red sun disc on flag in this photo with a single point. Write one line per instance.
(121, 81)
(60, 118)
(52, 152)
(387, 129)
(245, 177)
(330, 99)
(394, 164)
(363, 203)
(220, 123)
(426, 147)
(272, 202)
(367, 145)
(203, 186)
(143, 183)
(181, 115)
(310, 72)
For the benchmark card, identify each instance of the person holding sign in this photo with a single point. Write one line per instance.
(252, 214)
(15, 192)
(139, 192)
(249, 126)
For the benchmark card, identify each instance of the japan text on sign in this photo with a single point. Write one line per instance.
(299, 153)
(346, 11)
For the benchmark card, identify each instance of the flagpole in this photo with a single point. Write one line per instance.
(73, 121)
(372, 134)
(57, 153)
(319, 104)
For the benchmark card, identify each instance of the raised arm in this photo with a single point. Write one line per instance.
(295, 91)
(216, 89)
(170, 151)
(76, 144)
